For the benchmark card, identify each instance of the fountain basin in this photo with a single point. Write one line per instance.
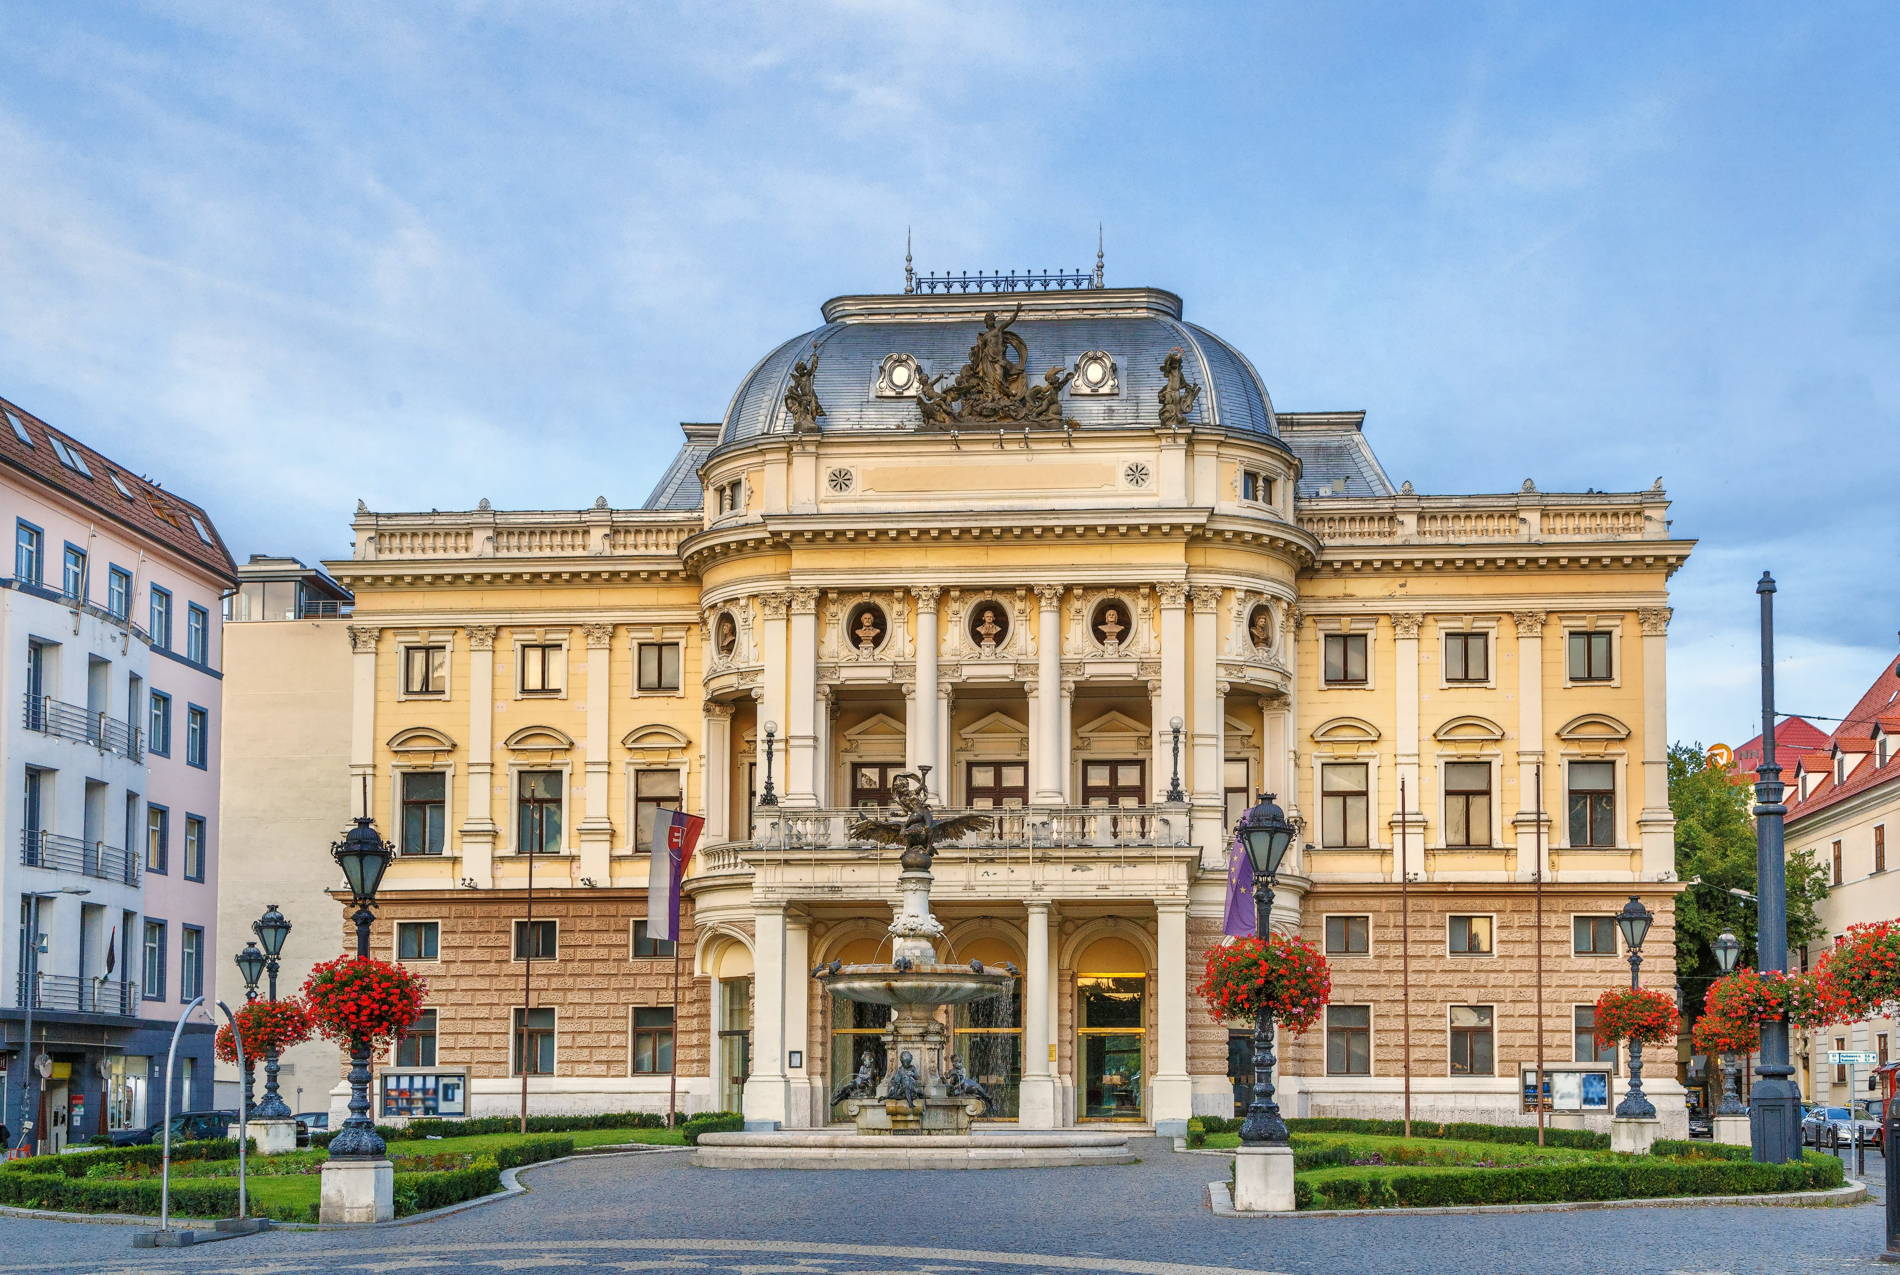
(921, 984)
(815, 1150)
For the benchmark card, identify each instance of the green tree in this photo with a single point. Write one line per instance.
(1715, 841)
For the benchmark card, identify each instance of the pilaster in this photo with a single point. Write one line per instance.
(479, 832)
(1170, 699)
(1037, 1095)
(1656, 824)
(717, 769)
(801, 743)
(1405, 626)
(1173, 1092)
(924, 704)
(1530, 745)
(596, 826)
(1045, 747)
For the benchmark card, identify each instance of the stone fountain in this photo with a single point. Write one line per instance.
(921, 1116)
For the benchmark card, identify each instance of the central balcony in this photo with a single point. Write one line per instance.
(1011, 828)
(41, 849)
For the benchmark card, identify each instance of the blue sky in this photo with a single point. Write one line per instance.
(283, 256)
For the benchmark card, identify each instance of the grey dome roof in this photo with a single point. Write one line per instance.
(1137, 327)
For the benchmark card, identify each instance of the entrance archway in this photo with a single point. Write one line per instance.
(1111, 1016)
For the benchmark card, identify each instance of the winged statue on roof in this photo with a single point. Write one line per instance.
(912, 825)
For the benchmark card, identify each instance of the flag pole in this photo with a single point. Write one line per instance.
(673, 1072)
(527, 985)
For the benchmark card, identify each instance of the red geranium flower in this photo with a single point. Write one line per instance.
(359, 999)
(1285, 975)
(1635, 1013)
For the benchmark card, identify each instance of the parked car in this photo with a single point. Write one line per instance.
(1700, 1123)
(187, 1126)
(1830, 1126)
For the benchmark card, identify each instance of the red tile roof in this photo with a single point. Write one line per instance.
(148, 510)
(1795, 738)
(1855, 736)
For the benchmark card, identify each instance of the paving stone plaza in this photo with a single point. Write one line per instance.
(655, 1212)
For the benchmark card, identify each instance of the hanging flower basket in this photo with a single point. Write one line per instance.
(1285, 975)
(359, 999)
(1714, 1034)
(1859, 978)
(266, 1025)
(1635, 1013)
(1751, 996)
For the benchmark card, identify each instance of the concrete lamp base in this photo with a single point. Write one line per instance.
(1263, 1180)
(1633, 1136)
(274, 1136)
(357, 1191)
(1732, 1130)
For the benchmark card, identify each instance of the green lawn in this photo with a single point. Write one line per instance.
(486, 1142)
(1428, 1151)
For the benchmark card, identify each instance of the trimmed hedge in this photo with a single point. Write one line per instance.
(1635, 1177)
(42, 1190)
(420, 1192)
(1684, 1149)
(532, 1151)
(1579, 1139)
(76, 1166)
(712, 1122)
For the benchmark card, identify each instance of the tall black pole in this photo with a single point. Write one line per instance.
(273, 1107)
(244, 1061)
(1263, 1126)
(1636, 1104)
(1775, 1105)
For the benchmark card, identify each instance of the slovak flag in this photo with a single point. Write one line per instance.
(675, 833)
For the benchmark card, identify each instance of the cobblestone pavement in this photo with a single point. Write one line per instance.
(656, 1212)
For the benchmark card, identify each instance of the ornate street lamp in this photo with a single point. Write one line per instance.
(1265, 834)
(1174, 784)
(1634, 920)
(271, 930)
(250, 963)
(363, 855)
(768, 797)
(1728, 949)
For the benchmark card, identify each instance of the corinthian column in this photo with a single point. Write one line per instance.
(924, 703)
(1046, 742)
(801, 740)
(478, 832)
(1655, 824)
(1530, 742)
(1171, 701)
(596, 827)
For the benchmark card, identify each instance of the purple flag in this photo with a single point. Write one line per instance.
(1239, 922)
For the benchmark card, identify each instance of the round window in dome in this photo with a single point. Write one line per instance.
(989, 625)
(1095, 374)
(898, 376)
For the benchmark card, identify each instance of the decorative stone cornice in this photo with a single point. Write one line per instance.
(481, 637)
(1655, 620)
(773, 605)
(1405, 624)
(1528, 623)
(1206, 597)
(599, 636)
(363, 639)
(1172, 593)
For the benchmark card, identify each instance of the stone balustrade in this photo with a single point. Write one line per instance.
(1518, 516)
(494, 533)
(1014, 828)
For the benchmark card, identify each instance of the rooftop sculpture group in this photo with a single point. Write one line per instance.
(993, 386)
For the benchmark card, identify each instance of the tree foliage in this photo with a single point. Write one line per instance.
(1715, 841)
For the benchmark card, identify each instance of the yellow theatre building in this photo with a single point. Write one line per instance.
(1058, 546)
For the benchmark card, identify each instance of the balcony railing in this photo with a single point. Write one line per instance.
(62, 992)
(41, 849)
(323, 609)
(1030, 828)
(70, 721)
(1529, 517)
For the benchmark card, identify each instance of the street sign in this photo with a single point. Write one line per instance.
(1852, 1058)
(1721, 755)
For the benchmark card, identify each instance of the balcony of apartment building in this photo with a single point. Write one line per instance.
(68, 994)
(81, 724)
(279, 588)
(90, 858)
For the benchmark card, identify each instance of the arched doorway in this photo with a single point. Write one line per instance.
(1111, 1016)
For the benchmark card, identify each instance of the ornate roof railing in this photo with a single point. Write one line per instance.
(1517, 516)
(1004, 281)
(494, 533)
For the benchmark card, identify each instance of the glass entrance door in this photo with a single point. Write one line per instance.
(1111, 1046)
(735, 1041)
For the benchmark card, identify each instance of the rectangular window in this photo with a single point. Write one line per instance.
(1880, 847)
(29, 554)
(1471, 1041)
(1840, 1069)
(1114, 783)
(197, 737)
(1348, 935)
(1837, 863)
(1592, 801)
(543, 669)
(1584, 1046)
(871, 783)
(1467, 803)
(194, 848)
(534, 1042)
(418, 940)
(659, 666)
(160, 627)
(152, 975)
(652, 1040)
(996, 785)
(538, 811)
(1345, 659)
(1236, 792)
(1255, 485)
(1349, 1040)
(537, 940)
(1467, 657)
(119, 592)
(67, 456)
(158, 735)
(645, 948)
(73, 578)
(1593, 936)
(158, 835)
(1589, 655)
(197, 633)
(1470, 935)
(416, 1047)
(1880, 1047)
(424, 811)
(425, 670)
(19, 427)
(191, 964)
(1344, 800)
(652, 790)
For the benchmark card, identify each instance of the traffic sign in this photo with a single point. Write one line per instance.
(1721, 755)
(1852, 1058)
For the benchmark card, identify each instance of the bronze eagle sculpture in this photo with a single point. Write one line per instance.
(911, 823)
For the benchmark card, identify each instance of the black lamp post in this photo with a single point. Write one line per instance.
(768, 797)
(1174, 784)
(1728, 949)
(363, 855)
(1634, 920)
(271, 930)
(250, 963)
(1266, 834)
(1774, 1103)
